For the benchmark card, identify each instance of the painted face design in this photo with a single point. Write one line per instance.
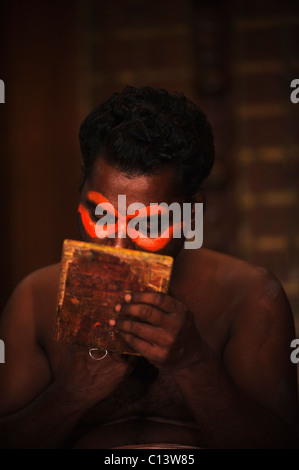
(120, 223)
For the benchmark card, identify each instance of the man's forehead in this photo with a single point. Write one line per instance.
(111, 182)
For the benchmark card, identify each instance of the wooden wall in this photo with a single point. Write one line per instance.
(39, 126)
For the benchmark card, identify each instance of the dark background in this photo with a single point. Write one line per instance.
(236, 59)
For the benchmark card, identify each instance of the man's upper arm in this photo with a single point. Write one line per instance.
(257, 355)
(25, 372)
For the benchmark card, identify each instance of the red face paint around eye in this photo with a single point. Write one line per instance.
(158, 243)
(153, 244)
(87, 222)
(97, 198)
(147, 243)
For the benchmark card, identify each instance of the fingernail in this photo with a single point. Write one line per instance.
(128, 297)
(112, 322)
(117, 308)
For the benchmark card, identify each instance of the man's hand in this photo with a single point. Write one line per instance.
(87, 379)
(160, 328)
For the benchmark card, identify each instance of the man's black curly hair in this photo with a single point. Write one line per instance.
(141, 130)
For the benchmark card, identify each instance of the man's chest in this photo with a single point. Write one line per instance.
(144, 393)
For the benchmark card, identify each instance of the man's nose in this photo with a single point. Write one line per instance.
(121, 238)
(120, 242)
(123, 242)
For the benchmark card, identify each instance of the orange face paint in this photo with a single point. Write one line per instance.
(153, 244)
(95, 230)
(87, 222)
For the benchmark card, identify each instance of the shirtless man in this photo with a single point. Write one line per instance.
(215, 367)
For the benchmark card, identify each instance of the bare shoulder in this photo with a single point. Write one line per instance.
(231, 268)
(39, 285)
(34, 298)
(245, 316)
(237, 280)
(231, 297)
(47, 276)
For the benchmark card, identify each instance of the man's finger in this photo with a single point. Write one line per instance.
(144, 312)
(151, 334)
(151, 352)
(159, 300)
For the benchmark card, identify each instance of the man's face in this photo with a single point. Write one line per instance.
(103, 188)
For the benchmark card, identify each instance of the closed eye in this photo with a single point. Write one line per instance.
(92, 211)
(151, 226)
